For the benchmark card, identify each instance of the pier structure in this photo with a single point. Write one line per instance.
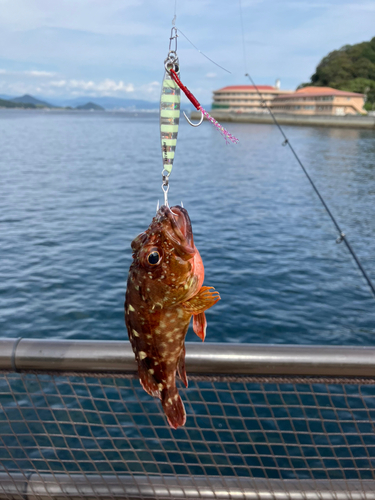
(347, 121)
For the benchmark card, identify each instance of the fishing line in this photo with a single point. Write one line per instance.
(175, 13)
(191, 43)
(243, 39)
(204, 55)
(342, 236)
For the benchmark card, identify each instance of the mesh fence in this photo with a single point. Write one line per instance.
(237, 427)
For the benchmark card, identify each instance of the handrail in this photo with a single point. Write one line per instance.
(91, 356)
(57, 486)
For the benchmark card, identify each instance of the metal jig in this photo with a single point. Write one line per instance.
(170, 111)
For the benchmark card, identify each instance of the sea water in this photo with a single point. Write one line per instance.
(76, 188)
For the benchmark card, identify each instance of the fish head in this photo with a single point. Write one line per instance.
(167, 268)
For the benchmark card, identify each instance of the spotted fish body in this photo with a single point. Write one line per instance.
(169, 118)
(164, 292)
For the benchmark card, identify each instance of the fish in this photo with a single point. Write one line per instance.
(164, 291)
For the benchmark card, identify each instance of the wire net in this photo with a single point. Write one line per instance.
(107, 426)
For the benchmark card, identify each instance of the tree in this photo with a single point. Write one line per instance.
(350, 68)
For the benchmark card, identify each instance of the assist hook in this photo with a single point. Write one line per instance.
(191, 123)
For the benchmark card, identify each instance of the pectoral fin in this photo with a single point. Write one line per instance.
(205, 298)
(200, 325)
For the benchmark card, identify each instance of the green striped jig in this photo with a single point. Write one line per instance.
(169, 113)
(169, 117)
(169, 108)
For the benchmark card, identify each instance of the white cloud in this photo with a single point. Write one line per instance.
(58, 83)
(211, 75)
(70, 87)
(105, 87)
(150, 87)
(87, 41)
(34, 73)
(39, 73)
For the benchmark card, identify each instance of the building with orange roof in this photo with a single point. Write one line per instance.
(320, 101)
(245, 98)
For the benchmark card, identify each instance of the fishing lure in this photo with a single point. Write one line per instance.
(170, 107)
(172, 74)
(227, 135)
(170, 101)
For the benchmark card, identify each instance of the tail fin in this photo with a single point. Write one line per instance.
(147, 381)
(173, 407)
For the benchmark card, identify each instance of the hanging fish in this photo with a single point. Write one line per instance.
(164, 291)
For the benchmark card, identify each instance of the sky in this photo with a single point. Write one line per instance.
(70, 48)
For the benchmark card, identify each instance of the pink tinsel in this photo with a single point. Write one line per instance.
(227, 135)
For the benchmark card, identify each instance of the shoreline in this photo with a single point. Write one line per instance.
(51, 110)
(347, 121)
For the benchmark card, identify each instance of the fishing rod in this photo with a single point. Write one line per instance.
(342, 236)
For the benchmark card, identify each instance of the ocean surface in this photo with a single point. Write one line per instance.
(76, 188)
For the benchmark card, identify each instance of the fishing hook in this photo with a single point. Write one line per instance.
(165, 187)
(194, 124)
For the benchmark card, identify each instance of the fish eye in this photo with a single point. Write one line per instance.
(153, 258)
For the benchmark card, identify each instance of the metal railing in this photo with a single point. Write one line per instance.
(263, 421)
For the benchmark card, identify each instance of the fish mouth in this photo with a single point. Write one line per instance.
(182, 235)
(182, 224)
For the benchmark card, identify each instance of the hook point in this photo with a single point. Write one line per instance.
(191, 123)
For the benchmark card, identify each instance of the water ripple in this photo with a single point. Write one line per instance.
(76, 189)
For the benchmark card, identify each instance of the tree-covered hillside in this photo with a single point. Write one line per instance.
(10, 104)
(350, 68)
(90, 106)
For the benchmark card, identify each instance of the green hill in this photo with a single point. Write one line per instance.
(90, 106)
(10, 104)
(29, 99)
(350, 68)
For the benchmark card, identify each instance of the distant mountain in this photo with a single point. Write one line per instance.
(6, 97)
(90, 106)
(128, 104)
(10, 104)
(118, 103)
(29, 99)
(110, 103)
